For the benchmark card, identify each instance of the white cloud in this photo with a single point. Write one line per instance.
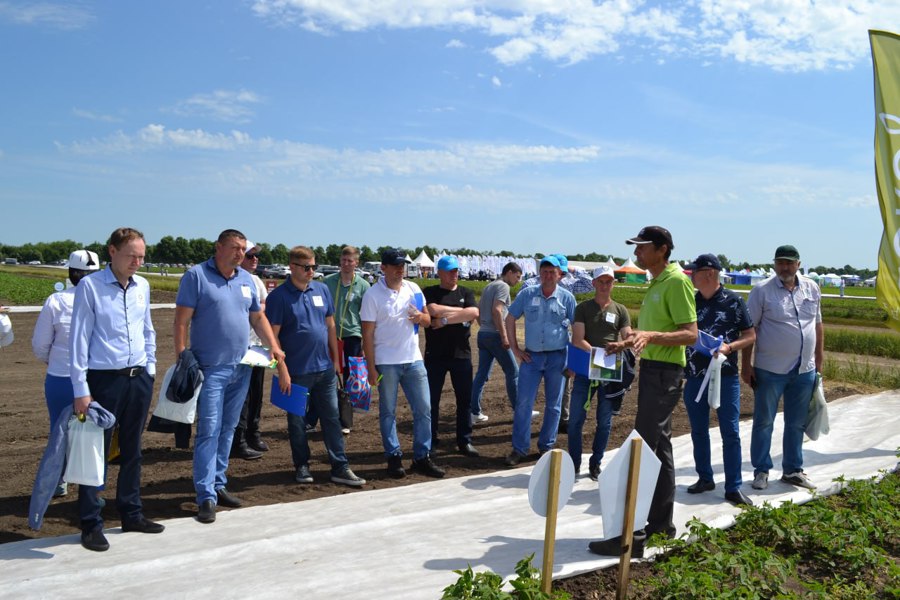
(779, 34)
(67, 16)
(454, 43)
(220, 105)
(496, 81)
(92, 116)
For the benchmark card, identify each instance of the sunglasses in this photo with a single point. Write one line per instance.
(306, 268)
(251, 256)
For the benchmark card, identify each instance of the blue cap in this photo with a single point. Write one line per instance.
(563, 261)
(550, 260)
(447, 263)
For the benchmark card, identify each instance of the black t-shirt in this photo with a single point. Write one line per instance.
(450, 341)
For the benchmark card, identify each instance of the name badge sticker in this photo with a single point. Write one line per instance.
(611, 318)
(317, 301)
(245, 291)
(535, 301)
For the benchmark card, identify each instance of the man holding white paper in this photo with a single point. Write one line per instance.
(219, 301)
(301, 311)
(597, 322)
(722, 316)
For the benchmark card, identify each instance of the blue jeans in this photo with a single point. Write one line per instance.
(582, 391)
(729, 413)
(549, 366)
(414, 379)
(797, 389)
(218, 411)
(59, 394)
(490, 348)
(322, 388)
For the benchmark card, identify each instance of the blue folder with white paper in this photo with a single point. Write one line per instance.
(295, 402)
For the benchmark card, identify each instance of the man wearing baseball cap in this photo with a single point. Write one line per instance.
(391, 314)
(447, 350)
(598, 321)
(790, 341)
(668, 321)
(722, 314)
(548, 310)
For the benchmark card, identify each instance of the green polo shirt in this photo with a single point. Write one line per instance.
(668, 303)
(347, 302)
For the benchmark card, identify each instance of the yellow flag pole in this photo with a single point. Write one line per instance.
(634, 471)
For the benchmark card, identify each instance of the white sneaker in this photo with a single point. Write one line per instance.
(480, 418)
(760, 481)
(799, 479)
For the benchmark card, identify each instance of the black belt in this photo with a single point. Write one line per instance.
(659, 364)
(543, 351)
(126, 372)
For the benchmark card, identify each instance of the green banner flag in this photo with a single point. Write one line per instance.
(886, 62)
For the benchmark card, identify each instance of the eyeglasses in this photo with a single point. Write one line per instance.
(251, 256)
(306, 268)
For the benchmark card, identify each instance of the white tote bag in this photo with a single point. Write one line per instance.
(84, 455)
(174, 411)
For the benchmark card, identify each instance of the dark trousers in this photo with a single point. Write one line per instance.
(460, 370)
(352, 347)
(659, 390)
(248, 425)
(128, 398)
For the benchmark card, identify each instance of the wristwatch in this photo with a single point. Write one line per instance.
(443, 320)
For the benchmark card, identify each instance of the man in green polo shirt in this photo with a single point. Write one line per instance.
(666, 325)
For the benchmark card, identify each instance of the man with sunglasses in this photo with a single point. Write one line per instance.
(302, 315)
(722, 314)
(219, 301)
(247, 443)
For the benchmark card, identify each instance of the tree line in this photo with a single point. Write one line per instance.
(182, 251)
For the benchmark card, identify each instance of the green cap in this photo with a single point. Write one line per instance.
(786, 252)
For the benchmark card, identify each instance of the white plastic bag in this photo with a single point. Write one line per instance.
(713, 380)
(817, 417)
(84, 455)
(174, 411)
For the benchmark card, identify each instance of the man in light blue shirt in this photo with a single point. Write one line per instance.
(219, 301)
(112, 345)
(548, 310)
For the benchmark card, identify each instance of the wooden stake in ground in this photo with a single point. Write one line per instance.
(550, 527)
(634, 471)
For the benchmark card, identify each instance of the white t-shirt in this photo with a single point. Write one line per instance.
(396, 341)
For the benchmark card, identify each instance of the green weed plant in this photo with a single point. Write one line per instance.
(487, 585)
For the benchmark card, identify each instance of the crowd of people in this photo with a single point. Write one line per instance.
(99, 343)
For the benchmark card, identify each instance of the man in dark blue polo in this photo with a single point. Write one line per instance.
(219, 301)
(113, 349)
(302, 315)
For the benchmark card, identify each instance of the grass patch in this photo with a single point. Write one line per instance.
(861, 372)
(869, 343)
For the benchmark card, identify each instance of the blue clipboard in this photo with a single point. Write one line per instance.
(420, 305)
(295, 403)
(578, 360)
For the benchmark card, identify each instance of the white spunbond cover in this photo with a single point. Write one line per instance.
(403, 543)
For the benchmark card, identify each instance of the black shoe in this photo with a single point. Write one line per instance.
(594, 472)
(701, 486)
(395, 467)
(468, 449)
(303, 474)
(207, 512)
(246, 452)
(738, 497)
(513, 459)
(426, 466)
(257, 444)
(613, 546)
(228, 500)
(142, 525)
(94, 540)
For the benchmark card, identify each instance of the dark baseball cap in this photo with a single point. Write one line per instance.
(393, 256)
(705, 261)
(786, 252)
(653, 234)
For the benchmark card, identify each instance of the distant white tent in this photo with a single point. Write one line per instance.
(423, 261)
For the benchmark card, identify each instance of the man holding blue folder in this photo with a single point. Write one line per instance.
(301, 312)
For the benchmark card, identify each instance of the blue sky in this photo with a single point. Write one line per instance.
(525, 125)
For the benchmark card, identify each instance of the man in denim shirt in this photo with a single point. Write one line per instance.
(790, 342)
(548, 310)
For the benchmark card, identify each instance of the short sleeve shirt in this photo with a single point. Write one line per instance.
(724, 314)
(602, 326)
(547, 319)
(785, 323)
(497, 290)
(347, 304)
(301, 316)
(220, 327)
(449, 341)
(668, 303)
(396, 341)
